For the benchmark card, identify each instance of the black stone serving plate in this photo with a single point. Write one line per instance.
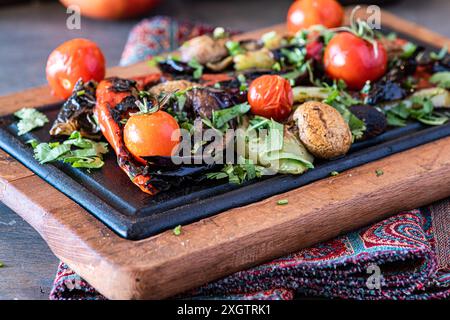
(110, 196)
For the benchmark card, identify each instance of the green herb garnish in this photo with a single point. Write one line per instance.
(30, 119)
(237, 173)
(408, 50)
(441, 79)
(243, 81)
(221, 117)
(177, 230)
(334, 173)
(440, 55)
(198, 68)
(341, 100)
(379, 172)
(234, 48)
(79, 152)
(282, 202)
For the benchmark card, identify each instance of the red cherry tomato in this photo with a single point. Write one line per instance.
(354, 60)
(305, 13)
(112, 9)
(271, 96)
(74, 59)
(155, 134)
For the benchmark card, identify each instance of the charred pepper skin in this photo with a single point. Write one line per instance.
(110, 94)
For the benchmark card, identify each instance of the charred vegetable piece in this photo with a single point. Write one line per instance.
(76, 113)
(110, 93)
(375, 120)
(203, 101)
(385, 91)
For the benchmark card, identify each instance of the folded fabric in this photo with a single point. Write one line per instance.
(403, 257)
(400, 251)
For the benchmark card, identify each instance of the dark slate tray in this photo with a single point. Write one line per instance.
(110, 196)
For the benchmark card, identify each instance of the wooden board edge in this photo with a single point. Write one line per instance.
(164, 265)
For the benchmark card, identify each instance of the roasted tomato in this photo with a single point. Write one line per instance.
(74, 59)
(354, 60)
(154, 134)
(271, 96)
(305, 13)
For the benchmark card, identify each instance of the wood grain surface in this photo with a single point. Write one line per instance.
(165, 264)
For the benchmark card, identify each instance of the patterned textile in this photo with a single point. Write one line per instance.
(156, 35)
(403, 246)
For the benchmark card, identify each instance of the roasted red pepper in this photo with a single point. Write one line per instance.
(115, 98)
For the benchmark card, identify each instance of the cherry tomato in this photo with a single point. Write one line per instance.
(154, 134)
(271, 96)
(116, 9)
(354, 60)
(74, 59)
(305, 13)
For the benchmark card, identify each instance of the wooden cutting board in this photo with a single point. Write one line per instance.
(165, 264)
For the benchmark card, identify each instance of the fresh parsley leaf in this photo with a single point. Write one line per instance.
(88, 153)
(282, 202)
(30, 119)
(243, 81)
(408, 50)
(334, 173)
(341, 100)
(234, 48)
(45, 152)
(153, 62)
(198, 68)
(442, 79)
(440, 55)
(237, 173)
(1, 264)
(379, 172)
(177, 230)
(221, 117)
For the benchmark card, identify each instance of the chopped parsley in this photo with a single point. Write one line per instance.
(417, 108)
(234, 48)
(198, 68)
(237, 173)
(177, 230)
(408, 50)
(282, 202)
(1, 265)
(243, 81)
(379, 172)
(441, 79)
(79, 152)
(440, 55)
(341, 100)
(334, 173)
(30, 119)
(221, 117)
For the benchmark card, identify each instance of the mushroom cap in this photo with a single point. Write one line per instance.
(204, 49)
(323, 130)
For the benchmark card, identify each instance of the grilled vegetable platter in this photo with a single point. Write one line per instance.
(227, 115)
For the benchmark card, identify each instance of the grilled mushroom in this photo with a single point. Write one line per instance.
(204, 49)
(322, 130)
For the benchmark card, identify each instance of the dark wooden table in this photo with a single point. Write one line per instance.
(29, 32)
